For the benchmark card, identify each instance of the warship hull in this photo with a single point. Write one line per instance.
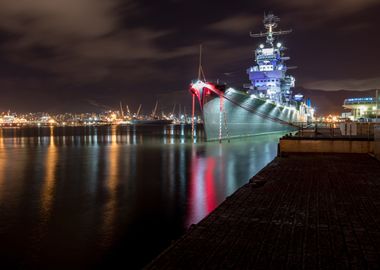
(266, 106)
(242, 115)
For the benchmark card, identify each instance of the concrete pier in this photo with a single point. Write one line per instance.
(326, 145)
(303, 211)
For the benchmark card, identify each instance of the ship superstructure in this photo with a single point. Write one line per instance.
(266, 106)
(268, 77)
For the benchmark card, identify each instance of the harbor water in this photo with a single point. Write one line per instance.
(97, 197)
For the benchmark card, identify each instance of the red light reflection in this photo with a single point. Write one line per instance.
(203, 195)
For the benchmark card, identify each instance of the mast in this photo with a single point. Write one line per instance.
(270, 22)
(201, 77)
(268, 75)
(201, 74)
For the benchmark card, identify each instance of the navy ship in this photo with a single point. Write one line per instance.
(265, 105)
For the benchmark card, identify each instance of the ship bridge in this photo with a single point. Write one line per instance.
(268, 76)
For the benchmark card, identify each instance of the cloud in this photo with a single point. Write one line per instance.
(346, 84)
(236, 24)
(331, 7)
(313, 13)
(79, 39)
(51, 19)
(355, 27)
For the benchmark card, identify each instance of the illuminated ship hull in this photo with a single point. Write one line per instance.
(244, 115)
(267, 106)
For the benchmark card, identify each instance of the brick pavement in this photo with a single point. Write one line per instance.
(304, 211)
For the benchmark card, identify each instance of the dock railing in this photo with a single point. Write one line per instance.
(327, 137)
(343, 130)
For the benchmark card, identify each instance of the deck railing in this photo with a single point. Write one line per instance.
(347, 130)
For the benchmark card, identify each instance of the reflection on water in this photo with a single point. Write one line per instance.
(49, 179)
(112, 172)
(105, 196)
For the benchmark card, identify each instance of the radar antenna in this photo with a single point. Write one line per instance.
(270, 22)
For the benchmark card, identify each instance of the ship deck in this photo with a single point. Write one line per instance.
(304, 211)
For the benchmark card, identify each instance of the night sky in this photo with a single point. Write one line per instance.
(87, 55)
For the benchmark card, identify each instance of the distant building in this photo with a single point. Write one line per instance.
(362, 108)
(347, 115)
